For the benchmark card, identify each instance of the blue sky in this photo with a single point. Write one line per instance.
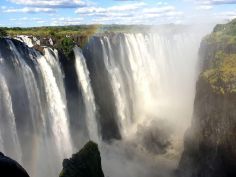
(25, 13)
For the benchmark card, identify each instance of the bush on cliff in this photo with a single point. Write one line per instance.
(3, 33)
(65, 45)
(222, 76)
(85, 163)
(220, 53)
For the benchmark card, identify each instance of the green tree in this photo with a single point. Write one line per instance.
(3, 33)
(66, 45)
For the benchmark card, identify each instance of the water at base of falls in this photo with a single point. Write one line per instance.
(134, 91)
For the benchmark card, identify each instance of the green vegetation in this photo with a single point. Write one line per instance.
(57, 31)
(64, 37)
(3, 33)
(222, 76)
(223, 33)
(65, 45)
(221, 44)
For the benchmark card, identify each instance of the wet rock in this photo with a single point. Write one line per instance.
(85, 163)
(10, 168)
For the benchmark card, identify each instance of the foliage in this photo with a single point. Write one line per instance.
(222, 76)
(226, 29)
(3, 33)
(223, 34)
(221, 43)
(65, 45)
(59, 31)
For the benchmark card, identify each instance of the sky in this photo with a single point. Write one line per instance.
(30, 13)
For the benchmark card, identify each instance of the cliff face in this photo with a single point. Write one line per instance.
(210, 142)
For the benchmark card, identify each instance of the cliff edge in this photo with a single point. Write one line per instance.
(210, 142)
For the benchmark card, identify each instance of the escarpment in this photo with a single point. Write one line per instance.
(210, 143)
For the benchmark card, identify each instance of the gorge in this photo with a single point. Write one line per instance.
(132, 93)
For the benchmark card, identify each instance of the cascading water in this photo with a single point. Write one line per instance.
(53, 60)
(25, 39)
(42, 122)
(148, 76)
(148, 81)
(130, 86)
(57, 110)
(8, 134)
(84, 82)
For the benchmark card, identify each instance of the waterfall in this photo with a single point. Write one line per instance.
(9, 141)
(53, 60)
(26, 40)
(57, 109)
(124, 85)
(40, 129)
(31, 87)
(88, 96)
(144, 87)
(151, 78)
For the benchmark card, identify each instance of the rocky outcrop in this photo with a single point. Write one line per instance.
(85, 163)
(10, 168)
(210, 143)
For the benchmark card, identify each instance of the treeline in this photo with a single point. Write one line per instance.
(3, 32)
(82, 30)
(55, 30)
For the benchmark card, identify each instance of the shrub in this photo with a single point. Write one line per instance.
(66, 45)
(3, 33)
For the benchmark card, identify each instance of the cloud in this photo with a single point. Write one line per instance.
(209, 4)
(28, 10)
(66, 21)
(227, 15)
(132, 13)
(215, 2)
(204, 7)
(112, 9)
(27, 19)
(52, 3)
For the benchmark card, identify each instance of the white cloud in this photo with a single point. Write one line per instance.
(162, 9)
(52, 3)
(204, 7)
(227, 15)
(135, 13)
(27, 19)
(28, 10)
(66, 21)
(112, 9)
(209, 4)
(215, 2)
